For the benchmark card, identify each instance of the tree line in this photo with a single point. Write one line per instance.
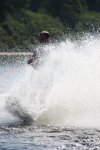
(22, 20)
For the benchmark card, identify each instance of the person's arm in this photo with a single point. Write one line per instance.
(34, 57)
(30, 61)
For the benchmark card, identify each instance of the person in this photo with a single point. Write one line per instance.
(43, 39)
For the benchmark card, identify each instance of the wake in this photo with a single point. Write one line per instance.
(64, 90)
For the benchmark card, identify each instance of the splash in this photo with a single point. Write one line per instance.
(65, 89)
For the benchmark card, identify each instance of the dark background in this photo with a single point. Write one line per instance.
(21, 21)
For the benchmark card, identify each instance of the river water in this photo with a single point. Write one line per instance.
(54, 104)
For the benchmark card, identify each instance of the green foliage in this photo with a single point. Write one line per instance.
(39, 22)
(12, 31)
(89, 21)
(12, 7)
(67, 10)
(22, 20)
(25, 26)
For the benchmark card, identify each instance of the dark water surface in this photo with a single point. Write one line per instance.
(50, 138)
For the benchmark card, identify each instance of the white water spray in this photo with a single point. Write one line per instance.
(65, 89)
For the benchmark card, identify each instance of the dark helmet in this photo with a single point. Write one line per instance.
(44, 36)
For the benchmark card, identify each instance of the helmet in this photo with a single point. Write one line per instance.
(44, 32)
